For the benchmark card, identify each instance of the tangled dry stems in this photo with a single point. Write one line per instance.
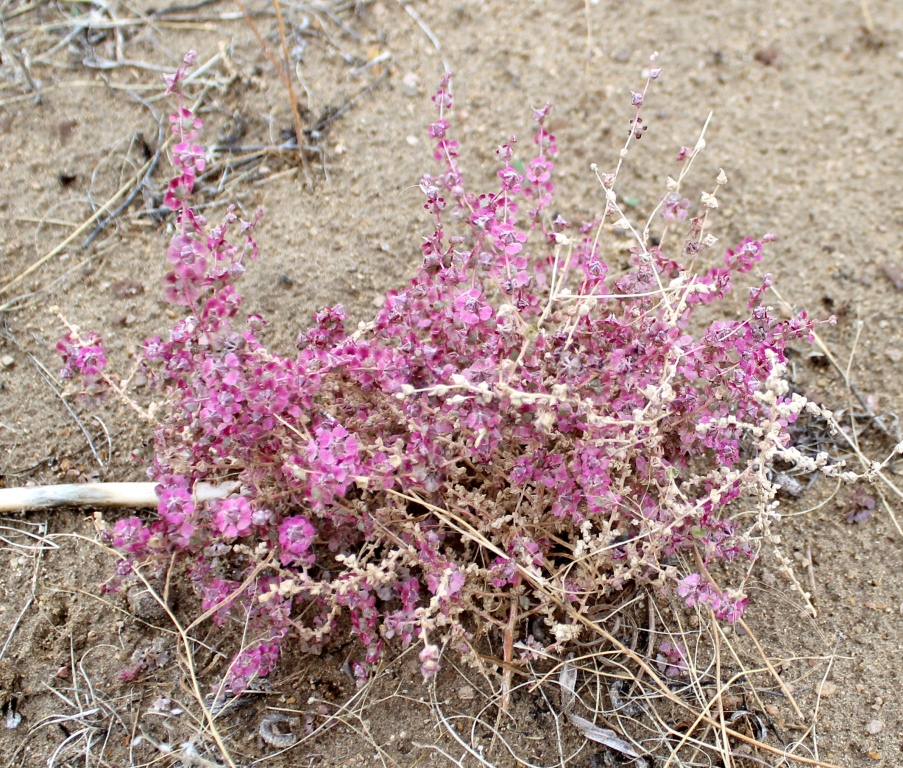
(706, 712)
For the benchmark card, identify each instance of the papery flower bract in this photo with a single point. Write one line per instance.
(83, 355)
(471, 308)
(690, 588)
(295, 537)
(130, 535)
(675, 208)
(185, 284)
(175, 505)
(744, 256)
(732, 608)
(189, 157)
(233, 517)
(671, 658)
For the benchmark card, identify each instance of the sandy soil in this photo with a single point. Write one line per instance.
(807, 106)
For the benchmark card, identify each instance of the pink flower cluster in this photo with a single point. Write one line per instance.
(83, 355)
(84, 360)
(201, 256)
(694, 589)
(521, 420)
(671, 658)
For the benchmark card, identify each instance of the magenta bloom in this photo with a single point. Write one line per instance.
(175, 505)
(670, 659)
(82, 356)
(189, 156)
(471, 307)
(539, 171)
(675, 208)
(731, 609)
(185, 283)
(130, 535)
(184, 250)
(251, 664)
(295, 537)
(690, 589)
(744, 256)
(233, 517)
(514, 387)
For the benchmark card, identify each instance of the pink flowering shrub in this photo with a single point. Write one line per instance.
(520, 421)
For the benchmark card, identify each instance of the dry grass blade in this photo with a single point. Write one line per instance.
(867, 16)
(187, 656)
(34, 551)
(283, 74)
(134, 183)
(567, 680)
(411, 11)
(296, 115)
(107, 207)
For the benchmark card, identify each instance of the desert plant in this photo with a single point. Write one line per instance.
(516, 430)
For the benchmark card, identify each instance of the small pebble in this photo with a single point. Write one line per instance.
(144, 605)
(466, 693)
(409, 85)
(127, 289)
(875, 727)
(7, 360)
(13, 718)
(827, 689)
(893, 272)
(65, 127)
(767, 56)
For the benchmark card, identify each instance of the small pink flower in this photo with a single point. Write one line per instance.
(295, 537)
(675, 208)
(82, 355)
(233, 517)
(184, 250)
(539, 170)
(130, 535)
(671, 659)
(175, 505)
(744, 256)
(689, 588)
(471, 308)
(189, 157)
(731, 608)
(185, 283)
